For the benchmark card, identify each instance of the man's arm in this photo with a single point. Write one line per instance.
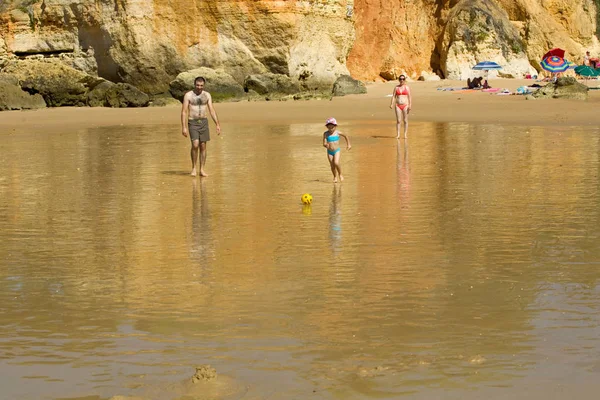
(184, 115)
(213, 114)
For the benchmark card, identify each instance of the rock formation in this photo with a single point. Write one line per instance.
(345, 84)
(563, 88)
(312, 42)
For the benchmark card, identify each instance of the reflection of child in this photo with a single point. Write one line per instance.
(331, 141)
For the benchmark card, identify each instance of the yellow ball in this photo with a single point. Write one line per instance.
(306, 198)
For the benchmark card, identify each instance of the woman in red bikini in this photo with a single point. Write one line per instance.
(402, 99)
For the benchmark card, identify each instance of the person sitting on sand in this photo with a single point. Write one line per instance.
(475, 83)
(486, 85)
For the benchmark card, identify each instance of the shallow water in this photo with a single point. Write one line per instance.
(462, 264)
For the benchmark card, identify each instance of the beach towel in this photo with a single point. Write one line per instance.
(491, 90)
(504, 92)
(451, 89)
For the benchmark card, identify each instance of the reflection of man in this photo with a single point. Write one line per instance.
(201, 246)
(195, 123)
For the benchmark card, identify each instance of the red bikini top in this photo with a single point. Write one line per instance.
(402, 92)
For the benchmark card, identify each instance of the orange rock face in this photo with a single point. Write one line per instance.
(148, 42)
(394, 37)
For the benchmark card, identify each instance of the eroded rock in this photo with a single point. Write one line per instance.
(479, 30)
(271, 83)
(219, 84)
(564, 88)
(12, 97)
(345, 84)
(58, 84)
(116, 95)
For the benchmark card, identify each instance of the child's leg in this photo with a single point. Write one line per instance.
(337, 164)
(332, 165)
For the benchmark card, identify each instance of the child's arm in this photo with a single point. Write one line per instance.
(348, 145)
(324, 140)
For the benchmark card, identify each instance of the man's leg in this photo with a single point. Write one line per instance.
(194, 155)
(202, 158)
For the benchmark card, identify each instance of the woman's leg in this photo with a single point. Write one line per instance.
(405, 119)
(398, 119)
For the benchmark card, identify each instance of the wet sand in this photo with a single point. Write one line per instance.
(429, 105)
(460, 264)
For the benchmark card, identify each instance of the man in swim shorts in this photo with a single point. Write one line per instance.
(194, 122)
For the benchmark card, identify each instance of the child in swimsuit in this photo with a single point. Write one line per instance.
(331, 141)
(403, 100)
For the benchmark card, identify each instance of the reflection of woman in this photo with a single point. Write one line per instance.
(403, 167)
(402, 99)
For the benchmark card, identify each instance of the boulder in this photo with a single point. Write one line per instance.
(12, 97)
(58, 84)
(564, 88)
(389, 75)
(164, 102)
(116, 95)
(345, 84)
(271, 83)
(428, 76)
(219, 84)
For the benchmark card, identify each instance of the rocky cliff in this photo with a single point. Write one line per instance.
(147, 43)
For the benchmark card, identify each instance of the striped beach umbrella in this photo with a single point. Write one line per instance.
(554, 52)
(572, 65)
(486, 66)
(587, 71)
(555, 64)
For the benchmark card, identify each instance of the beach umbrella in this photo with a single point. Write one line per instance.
(555, 64)
(572, 65)
(556, 52)
(486, 66)
(587, 71)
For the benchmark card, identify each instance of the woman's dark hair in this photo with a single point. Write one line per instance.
(199, 78)
(402, 76)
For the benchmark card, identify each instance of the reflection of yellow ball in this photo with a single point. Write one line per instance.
(306, 198)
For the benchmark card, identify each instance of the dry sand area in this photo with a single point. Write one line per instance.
(429, 104)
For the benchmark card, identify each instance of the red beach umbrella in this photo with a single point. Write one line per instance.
(556, 52)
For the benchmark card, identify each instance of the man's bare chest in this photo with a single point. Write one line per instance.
(199, 100)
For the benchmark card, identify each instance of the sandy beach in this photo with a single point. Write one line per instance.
(430, 104)
(461, 263)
